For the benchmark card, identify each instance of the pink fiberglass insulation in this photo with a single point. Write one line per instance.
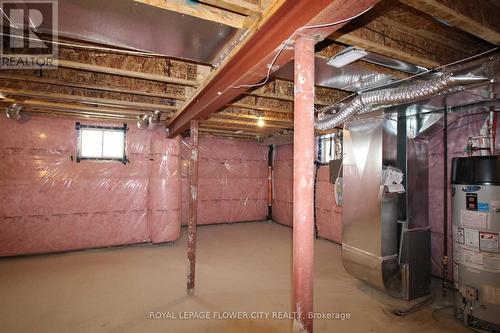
(458, 133)
(232, 180)
(328, 214)
(283, 185)
(164, 199)
(50, 203)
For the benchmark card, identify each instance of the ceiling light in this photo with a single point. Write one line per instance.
(260, 122)
(347, 56)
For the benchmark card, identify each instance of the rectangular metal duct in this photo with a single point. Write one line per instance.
(370, 232)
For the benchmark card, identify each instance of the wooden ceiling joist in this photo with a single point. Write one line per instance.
(281, 97)
(80, 114)
(216, 120)
(376, 47)
(126, 73)
(199, 10)
(233, 115)
(88, 100)
(47, 81)
(238, 128)
(237, 6)
(479, 18)
(73, 107)
(248, 62)
(232, 133)
(258, 108)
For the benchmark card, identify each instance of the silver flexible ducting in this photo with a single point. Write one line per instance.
(400, 95)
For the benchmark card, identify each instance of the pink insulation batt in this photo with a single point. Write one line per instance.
(50, 203)
(232, 180)
(328, 214)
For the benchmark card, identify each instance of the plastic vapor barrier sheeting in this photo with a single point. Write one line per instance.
(51, 203)
(328, 214)
(458, 134)
(232, 180)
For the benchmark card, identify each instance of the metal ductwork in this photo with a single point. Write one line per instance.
(400, 95)
(13, 111)
(149, 121)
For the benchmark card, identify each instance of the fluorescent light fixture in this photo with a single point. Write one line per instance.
(260, 122)
(346, 57)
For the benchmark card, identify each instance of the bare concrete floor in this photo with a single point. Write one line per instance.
(241, 267)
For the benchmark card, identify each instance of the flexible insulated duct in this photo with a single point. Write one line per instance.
(401, 95)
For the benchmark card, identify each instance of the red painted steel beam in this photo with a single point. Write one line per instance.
(249, 64)
(303, 185)
(193, 208)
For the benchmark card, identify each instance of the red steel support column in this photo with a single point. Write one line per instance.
(303, 183)
(193, 207)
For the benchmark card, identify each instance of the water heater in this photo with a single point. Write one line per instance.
(476, 227)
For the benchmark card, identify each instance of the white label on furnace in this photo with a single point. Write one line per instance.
(473, 258)
(460, 236)
(488, 241)
(471, 239)
(491, 262)
(474, 219)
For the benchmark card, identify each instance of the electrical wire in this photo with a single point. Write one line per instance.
(317, 26)
(151, 54)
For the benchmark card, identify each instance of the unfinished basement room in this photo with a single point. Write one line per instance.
(249, 166)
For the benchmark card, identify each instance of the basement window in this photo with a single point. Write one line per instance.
(101, 143)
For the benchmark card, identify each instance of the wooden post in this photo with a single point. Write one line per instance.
(193, 208)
